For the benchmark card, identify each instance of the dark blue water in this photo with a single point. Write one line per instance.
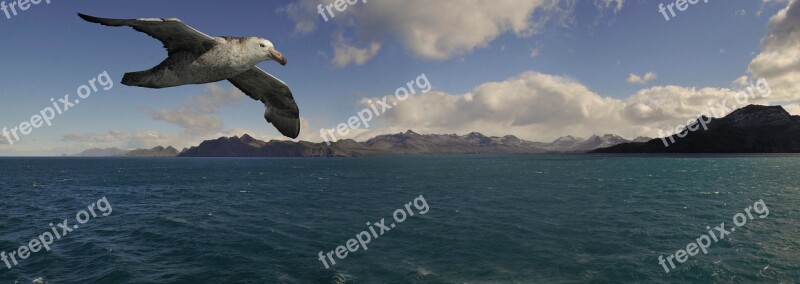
(492, 219)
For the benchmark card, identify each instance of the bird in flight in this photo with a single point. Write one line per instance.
(196, 58)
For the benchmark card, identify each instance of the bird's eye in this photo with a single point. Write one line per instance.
(262, 45)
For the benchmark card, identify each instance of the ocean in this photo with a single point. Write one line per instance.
(539, 218)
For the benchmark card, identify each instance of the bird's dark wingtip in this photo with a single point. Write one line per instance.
(296, 131)
(87, 18)
(287, 126)
(102, 21)
(291, 132)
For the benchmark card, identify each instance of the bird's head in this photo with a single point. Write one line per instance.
(266, 50)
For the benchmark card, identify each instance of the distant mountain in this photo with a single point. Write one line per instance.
(408, 143)
(752, 129)
(115, 152)
(577, 144)
(155, 152)
(566, 143)
(97, 152)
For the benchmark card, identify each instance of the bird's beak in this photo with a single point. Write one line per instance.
(277, 56)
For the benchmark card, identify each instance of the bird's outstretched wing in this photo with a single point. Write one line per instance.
(282, 111)
(174, 34)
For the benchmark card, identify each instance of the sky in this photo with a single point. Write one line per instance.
(537, 69)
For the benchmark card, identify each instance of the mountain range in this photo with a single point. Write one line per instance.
(408, 143)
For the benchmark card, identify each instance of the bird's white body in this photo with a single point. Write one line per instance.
(227, 59)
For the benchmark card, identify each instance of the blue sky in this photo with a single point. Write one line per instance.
(49, 51)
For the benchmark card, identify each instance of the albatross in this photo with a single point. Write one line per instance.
(196, 58)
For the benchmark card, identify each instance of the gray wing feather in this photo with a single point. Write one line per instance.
(282, 110)
(173, 33)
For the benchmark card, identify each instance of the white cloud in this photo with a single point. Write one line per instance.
(129, 140)
(199, 114)
(189, 120)
(345, 54)
(742, 82)
(779, 60)
(303, 15)
(78, 137)
(636, 79)
(121, 139)
(604, 5)
(542, 107)
(534, 52)
(197, 118)
(437, 30)
(793, 109)
(615, 5)
(764, 4)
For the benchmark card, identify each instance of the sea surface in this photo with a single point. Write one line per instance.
(492, 219)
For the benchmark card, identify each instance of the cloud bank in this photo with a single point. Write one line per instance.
(434, 30)
(543, 107)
